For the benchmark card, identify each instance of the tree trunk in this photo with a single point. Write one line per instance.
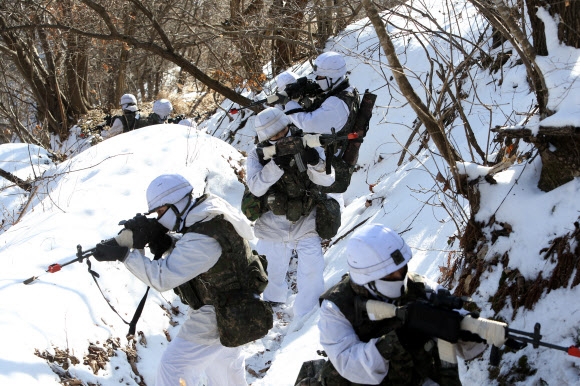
(51, 105)
(251, 57)
(569, 25)
(121, 87)
(76, 63)
(559, 149)
(288, 16)
(436, 132)
(538, 33)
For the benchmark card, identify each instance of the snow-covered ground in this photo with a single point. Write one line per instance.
(80, 202)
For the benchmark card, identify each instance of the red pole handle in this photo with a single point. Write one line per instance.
(54, 268)
(352, 136)
(574, 351)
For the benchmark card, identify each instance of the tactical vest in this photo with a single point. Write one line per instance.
(232, 286)
(154, 119)
(350, 98)
(230, 271)
(424, 354)
(343, 171)
(294, 194)
(130, 122)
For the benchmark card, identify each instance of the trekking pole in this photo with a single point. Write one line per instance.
(80, 256)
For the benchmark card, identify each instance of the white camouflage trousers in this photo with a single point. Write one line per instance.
(309, 275)
(196, 363)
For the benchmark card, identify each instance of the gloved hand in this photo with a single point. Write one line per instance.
(160, 245)
(141, 237)
(269, 152)
(378, 310)
(311, 140)
(110, 252)
(283, 162)
(490, 330)
(310, 156)
(143, 230)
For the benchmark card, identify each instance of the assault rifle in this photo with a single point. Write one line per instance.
(270, 99)
(295, 145)
(150, 227)
(301, 90)
(80, 256)
(438, 318)
(108, 122)
(176, 119)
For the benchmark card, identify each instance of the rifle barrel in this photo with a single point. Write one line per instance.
(534, 339)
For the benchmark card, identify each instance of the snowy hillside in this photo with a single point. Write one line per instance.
(80, 201)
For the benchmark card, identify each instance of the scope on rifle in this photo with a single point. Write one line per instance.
(303, 87)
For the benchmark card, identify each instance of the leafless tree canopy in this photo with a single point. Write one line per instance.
(60, 59)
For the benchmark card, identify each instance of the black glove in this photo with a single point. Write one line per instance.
(161, 244)
(144, 229)
(140, 238)
(310, 156)
(283, 161)
(107, 251)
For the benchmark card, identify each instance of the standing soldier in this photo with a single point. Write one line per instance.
(288, 221)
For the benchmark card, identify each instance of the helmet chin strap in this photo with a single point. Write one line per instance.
(178, 214)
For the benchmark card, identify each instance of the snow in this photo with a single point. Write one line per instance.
(81, 200)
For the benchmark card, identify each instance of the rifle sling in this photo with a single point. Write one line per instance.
(133, 324)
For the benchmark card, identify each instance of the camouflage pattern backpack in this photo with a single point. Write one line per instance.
(252, 207)
(328, 216)
(232, 286)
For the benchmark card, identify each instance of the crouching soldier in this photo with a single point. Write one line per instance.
(213, 270)
(367, 345)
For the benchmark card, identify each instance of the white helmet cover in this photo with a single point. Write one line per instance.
(163, 108)
(284, 79)
(270, 122)
(167, 189)
(128, 102)
(375, 251)
(330, 64)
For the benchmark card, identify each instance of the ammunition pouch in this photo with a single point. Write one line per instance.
(280, 204)
(342, 175)
(242, 318)
(328, 217)
(252, 206)
(276, 202)
(289, 146)
(294, 209)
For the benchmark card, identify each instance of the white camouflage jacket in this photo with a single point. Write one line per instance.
(276, 227)
(193, 255)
